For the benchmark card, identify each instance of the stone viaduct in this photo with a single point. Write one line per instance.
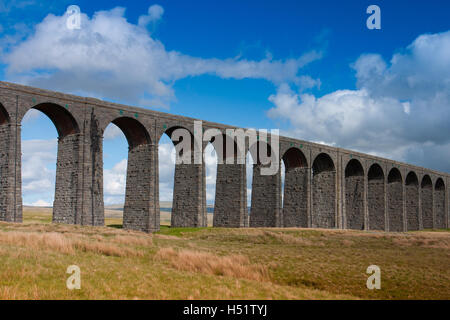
(325, 187)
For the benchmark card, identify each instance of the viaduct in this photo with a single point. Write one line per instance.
(325, 187)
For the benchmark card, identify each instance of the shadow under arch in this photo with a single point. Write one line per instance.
(440, 216)
(412, 201)
(139, 212)
(63, 120)
(295, 199)
(66, 207)
(354, 195)
(5, 141)
(4, 116)
(265, 210)
(323, 192)
(395, 200)
(134, 131)
(376, 198)
(426, 187)
(189, 193)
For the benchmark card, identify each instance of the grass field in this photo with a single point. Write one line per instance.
(217, 263)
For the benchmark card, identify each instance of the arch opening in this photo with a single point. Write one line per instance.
(354, 195)
(63, 120)
(439, 191)
(41, 170)
(412, 201)
(395, 200)
(323, 192)
(294, 158)
(134, 131)
(295, 190)
(427, 202)
(188, 207)
(376, 198)
(128, 174)
(210, 162)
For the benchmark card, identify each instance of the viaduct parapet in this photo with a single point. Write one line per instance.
(325, 187)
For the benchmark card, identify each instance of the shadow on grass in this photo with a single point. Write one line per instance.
(171, 231)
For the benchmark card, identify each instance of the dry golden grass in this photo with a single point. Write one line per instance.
(68, 244)
(429, 240)
(216, 263)
(237, 266)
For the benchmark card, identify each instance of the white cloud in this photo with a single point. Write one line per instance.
(112, 58)
(114, 179)
(31, 115)
(112, 131)
(41, 203)
(38, 169)
(155, 13)
(399, 110)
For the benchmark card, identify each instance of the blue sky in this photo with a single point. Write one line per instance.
(312, 69)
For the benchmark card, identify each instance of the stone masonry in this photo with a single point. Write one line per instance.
(354, 195)
(376, 198)
(324, 187)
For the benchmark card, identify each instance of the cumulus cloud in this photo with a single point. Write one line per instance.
(31, 115)
(400, 109)
(155, 13)
(110, 57)
(112, 132)
(114, 179)
(38, 170)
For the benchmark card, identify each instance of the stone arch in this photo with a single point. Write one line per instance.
(376, 197)
(134, 131)
(294, 158)
(295, 204)
(189, 194)
(439, 204)
(63, 120)
(427, 202)
(323, 192)
(65, 206)
(266, 190)
(395, 200)
(354, 195)
(412, 201)
(138, 212)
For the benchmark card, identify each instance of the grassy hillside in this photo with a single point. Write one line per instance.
(218, 263)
